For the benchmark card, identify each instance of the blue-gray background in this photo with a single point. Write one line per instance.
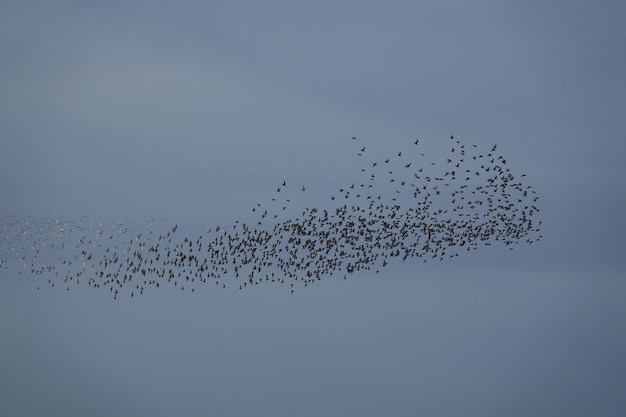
(193, 111)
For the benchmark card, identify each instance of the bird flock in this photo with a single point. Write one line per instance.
(400, 207)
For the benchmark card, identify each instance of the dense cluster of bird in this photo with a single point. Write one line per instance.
(401, 208)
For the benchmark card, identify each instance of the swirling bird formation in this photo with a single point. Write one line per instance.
(401, 208)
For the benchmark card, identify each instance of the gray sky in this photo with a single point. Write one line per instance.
(195, 111)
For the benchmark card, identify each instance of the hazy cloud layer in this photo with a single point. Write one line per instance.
(198, 109)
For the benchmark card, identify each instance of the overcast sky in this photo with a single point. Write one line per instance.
(194, 111)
